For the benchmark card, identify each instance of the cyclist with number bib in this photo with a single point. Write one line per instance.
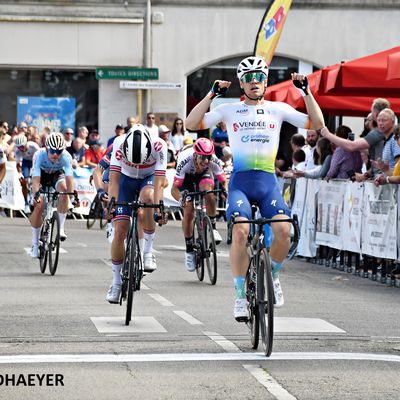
(195, 168)
(52, 168)
(254, 128)
(138, 165)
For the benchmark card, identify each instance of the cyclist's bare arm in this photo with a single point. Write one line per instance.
(35, 184)
(193, 120)
(97, 177)
(113, 187)
(158, 188)
(313, 110)
(176, 194)
(70, 183)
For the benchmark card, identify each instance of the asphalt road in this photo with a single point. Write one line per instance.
(337, 337)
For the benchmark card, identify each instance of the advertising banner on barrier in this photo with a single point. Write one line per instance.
(352, 217)
(379, 229)
(307, 246)
(10, 189)
(86, 192)
(330, 214)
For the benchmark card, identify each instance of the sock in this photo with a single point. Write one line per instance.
(116, 269)
(148, 241)
(62, 219)
(35, 235)
(239, 287)
(276, 268)
(189, 244)
(214, 222)
(141, 245)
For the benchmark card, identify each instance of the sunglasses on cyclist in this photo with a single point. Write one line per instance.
(53, 151)
(203, 157)
(257, 76)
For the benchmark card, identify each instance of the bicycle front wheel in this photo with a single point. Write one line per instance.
(265, 300)
(42, 250)
(54, 242)
(210, 251)
(253, 322)
(131, 265)
(91, 217)
(198, 242)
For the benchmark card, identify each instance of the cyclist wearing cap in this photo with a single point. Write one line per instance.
(253, 128)
(52, 167)
(138, 165)
(195, 167)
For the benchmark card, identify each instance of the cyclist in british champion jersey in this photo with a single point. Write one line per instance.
(52, 167)
(254, 127)
(138, 164)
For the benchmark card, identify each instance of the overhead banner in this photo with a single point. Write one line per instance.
(271, 28)
(57, 113)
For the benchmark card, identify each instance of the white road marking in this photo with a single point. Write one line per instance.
(188, 318)
(226, 344)
(81, 245)
(137, 325)
(269, 382)
(304, 325)
(172, 247)
(162, 300)
(175, 357)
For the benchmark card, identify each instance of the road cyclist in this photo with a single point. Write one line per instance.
(195, 171)
(52, 168)
(253, 127)
(137, 169)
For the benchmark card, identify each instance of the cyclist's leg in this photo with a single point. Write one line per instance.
(188, 184)
(127, 192)
(61, 186)
(147, 196)
(239, 205)
(273, 206)
(36, 221)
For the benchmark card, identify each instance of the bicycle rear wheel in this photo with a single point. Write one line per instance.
(131, 265)
(91, 217)
(254, 321)
(197, 239)
(210, 251)
(265, 300)
(42, 250)
(54, 242)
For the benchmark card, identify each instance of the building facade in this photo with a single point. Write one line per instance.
(52, 48)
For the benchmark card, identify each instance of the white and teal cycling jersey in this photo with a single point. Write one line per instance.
(254, 131)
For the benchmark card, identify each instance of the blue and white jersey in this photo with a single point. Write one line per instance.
(41, 162)
(254, 131)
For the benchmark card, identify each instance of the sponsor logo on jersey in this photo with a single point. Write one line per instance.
(243, 111)
(157, 146)
(255, 138)
(272, 125)
(118, 155)
(260, 111)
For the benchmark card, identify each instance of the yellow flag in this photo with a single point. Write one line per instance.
(271, 28)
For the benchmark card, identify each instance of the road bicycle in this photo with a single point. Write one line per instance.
(203, 235)
(96, 212)
(259, 284)
(132, 270)
(49, 240)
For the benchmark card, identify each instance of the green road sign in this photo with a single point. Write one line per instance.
(133, 74)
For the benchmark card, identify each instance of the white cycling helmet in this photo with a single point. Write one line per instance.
(55, 141)
(251, 64)
(137, 145)
(20, 140)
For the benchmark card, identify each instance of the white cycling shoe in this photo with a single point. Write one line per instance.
(190, 261)
(34, 251)
(240, 311)
(279, 301)
(149, 262)
(217, 237)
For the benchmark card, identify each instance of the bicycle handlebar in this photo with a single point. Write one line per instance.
(202, 193)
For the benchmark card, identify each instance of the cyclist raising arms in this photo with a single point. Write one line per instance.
(138, 165)
(52, 167)
(195, 167)
(254, 127)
